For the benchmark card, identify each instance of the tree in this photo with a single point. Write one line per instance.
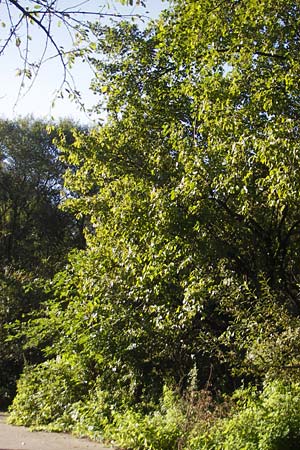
(63, 30)
(192, 193)
(35, 236)
(184, 204)
(31, 187)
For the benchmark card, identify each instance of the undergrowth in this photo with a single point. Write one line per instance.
(56, 398)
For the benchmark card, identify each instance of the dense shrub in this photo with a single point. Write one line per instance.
(47, 392)
(54, 396)
(159, 430)
(269, 420)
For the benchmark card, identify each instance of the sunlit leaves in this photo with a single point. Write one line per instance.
(189, 197)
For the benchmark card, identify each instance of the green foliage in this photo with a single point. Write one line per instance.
(269, 420)
(16, 302)
(35, 235)
(48, 391)
(11, 296)
(159, 430)
(91, 415)
(193, 232)
(189, 194)
(30, 193)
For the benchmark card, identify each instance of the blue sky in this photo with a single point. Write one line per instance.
(38, 101)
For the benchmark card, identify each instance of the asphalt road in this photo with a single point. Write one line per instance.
(20, 438)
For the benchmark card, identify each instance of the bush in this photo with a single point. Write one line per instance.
(269, 420)
(159, 430)
(92, 415)
(57, 396)
(46, 393)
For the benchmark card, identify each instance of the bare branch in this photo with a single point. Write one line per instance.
(44, 15)
(32, 17)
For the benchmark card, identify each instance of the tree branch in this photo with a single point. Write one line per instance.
(44, 29)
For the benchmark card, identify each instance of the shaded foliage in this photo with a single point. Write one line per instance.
(35, 236)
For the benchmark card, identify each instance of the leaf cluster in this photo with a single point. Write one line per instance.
(189, 193)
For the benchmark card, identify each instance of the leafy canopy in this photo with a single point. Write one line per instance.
(189, 192)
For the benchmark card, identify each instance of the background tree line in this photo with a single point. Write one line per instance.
(35, 235)
(177, 325)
